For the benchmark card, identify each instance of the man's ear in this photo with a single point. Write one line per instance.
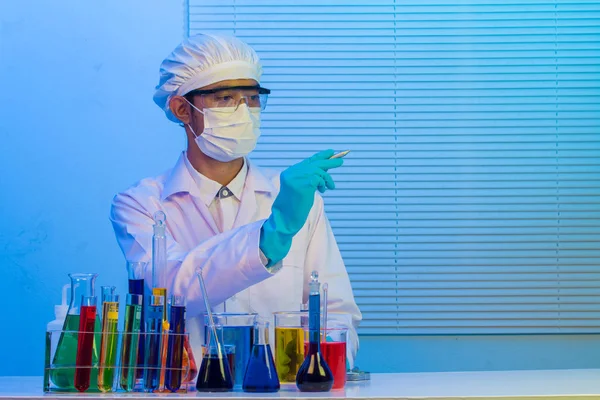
(181, 109)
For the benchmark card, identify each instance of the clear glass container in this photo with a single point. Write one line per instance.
(238, 331)
(82, 286)
(261, 375)
(290, 335)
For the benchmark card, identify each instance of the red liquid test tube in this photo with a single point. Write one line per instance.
(85, 343)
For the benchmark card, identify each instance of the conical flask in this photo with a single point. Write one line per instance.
(261, 375)
(64, 360)
(215, 372)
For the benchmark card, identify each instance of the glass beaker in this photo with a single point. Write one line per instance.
(290, 328)
(333, 348)
(63, 372)
(238, 331)
(261, 375)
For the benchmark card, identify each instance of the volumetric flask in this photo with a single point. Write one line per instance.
(238, 331)
(261, 375)
(290, 328)
(314, 374)
(215, 374)
(63, 374)
(333, 349)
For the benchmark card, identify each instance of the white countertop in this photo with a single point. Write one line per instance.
(554, 384)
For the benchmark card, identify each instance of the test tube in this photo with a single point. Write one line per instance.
(153, 343)
(85, 343)
(129, 344)
(159, 281)
(165, 336)
(106, 292)
(108, 346)
(174, 366)
(135, 272)
(159, 251)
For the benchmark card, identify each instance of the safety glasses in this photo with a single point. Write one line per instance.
(232, 97)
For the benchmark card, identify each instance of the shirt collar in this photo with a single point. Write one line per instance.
(181, 179)
(208, 188)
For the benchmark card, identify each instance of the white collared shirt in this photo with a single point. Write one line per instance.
(223, 209)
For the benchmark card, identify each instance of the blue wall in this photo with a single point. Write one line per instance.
(78, 124)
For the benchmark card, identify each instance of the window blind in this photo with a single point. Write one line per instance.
(470, 203)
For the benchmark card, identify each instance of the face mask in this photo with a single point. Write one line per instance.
(228, 134)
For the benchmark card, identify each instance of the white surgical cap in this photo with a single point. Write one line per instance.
(202, 60)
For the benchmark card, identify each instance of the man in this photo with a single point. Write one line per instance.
(255, 235)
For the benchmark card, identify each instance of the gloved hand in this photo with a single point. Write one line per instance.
(294, 202)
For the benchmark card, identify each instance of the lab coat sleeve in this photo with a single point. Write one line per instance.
(230, 261)
(323, 255)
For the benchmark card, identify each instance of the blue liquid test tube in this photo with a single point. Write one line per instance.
(174, 371)
(153, 342)
(135, 272)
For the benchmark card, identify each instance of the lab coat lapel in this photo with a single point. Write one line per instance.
(256, 185)
(205, 213)
(248, 207)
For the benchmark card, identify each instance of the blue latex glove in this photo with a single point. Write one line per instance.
(294, 202)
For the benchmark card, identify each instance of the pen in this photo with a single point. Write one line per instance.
(340, 154)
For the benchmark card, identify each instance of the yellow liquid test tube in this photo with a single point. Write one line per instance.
(108, 346)
(165, 338)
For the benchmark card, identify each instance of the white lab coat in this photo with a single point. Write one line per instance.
(235, 277)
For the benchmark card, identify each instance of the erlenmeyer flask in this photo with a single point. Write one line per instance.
(189, 361)
(63, 373)
(261, 375)
(215, 373)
